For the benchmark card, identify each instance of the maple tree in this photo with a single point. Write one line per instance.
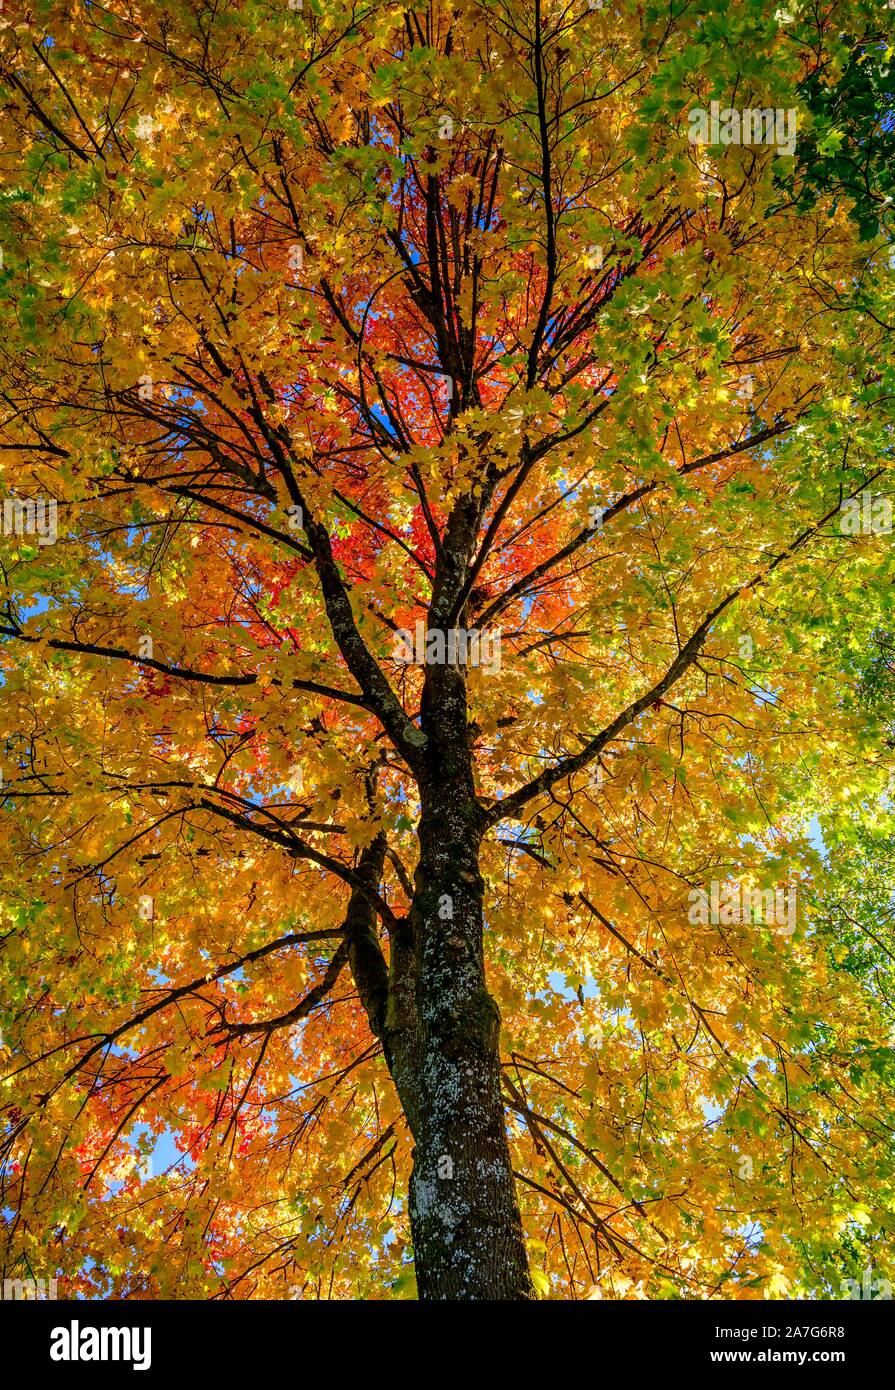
(324, 322)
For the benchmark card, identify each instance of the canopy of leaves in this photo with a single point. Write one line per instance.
(348, 265)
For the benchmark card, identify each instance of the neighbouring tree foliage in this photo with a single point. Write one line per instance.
(332, 329)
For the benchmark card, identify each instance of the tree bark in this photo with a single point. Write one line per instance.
(464, 1215)
(431, 1009)
(467, 1232)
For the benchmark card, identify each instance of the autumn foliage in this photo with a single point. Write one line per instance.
(320, 323)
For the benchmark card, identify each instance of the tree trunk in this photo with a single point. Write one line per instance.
(465, 1223)
(467, 1233)
(439, 1026)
